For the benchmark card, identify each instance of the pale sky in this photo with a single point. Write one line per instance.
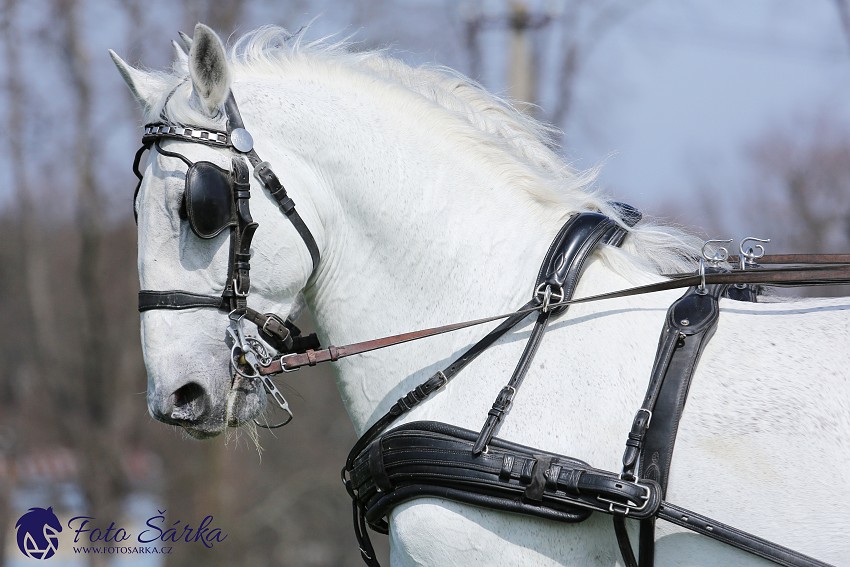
(668, 99)
(701, 78)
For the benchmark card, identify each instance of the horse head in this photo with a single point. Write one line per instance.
(196, 241)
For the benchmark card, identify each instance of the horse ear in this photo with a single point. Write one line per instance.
(186, 40)
(181, 59)
(208, 69)
(144, 86)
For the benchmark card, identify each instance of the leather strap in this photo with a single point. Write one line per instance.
(176, 300)
(401, 465)
(776, 259)
(558, 276)
(691, 322)
(791, 277)
(737, 538)
(421, 392)
(264, 173)
(506, 395)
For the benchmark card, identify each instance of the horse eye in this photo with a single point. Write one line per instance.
(181, 212)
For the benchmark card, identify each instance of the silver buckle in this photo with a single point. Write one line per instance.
(615, 507)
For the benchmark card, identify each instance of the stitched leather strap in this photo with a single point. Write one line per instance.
(439, 379)
(273, 185)
(176, 300)
(506, 395)
(401, 465)
(690, 323)
(732, 536)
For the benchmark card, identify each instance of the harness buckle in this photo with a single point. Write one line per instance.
(237, 289)
(648, 416)
(623, 509)
(263, 165)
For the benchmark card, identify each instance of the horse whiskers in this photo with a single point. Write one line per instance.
(232, 435)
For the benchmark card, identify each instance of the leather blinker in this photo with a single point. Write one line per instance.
(209, 199)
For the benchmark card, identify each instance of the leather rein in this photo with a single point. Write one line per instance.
(812, 270)
(551, 485)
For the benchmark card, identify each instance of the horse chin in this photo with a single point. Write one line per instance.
(245, 401)
(202, 433)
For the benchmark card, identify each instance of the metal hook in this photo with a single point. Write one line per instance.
(749, 257)
(720, 254)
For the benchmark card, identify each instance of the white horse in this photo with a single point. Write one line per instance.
(433, 201)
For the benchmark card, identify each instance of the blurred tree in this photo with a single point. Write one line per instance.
(843, 8)
(801, 181)
(795, 190)
(549, 45)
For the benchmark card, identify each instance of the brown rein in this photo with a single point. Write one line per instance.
(810, 269)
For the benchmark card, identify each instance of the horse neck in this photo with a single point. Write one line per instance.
(417, 232)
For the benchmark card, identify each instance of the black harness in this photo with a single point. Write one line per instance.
(387, 467)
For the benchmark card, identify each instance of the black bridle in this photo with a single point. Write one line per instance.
(214, 200)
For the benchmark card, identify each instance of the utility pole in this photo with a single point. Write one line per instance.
(521, 59)
(522, 62)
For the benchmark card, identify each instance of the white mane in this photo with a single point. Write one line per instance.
(517, 144)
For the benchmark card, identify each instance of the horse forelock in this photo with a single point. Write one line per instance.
(510, 141)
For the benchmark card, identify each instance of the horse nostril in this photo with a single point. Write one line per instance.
(188, 402)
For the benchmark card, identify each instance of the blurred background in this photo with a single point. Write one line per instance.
(729, 117)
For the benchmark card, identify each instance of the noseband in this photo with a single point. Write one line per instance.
(216, 199)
